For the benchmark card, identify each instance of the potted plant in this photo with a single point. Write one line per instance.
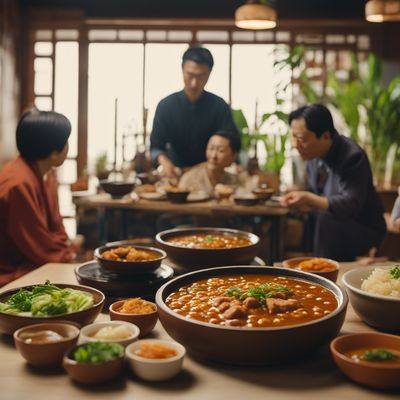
(102, 171)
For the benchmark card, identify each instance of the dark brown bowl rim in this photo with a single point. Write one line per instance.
(116, 183)
(339, 293)
(84, 288)
(100, 250)
(255, 240)
(361, 363)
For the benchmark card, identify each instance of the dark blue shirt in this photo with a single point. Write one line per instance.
(349, 184)
(181, 129)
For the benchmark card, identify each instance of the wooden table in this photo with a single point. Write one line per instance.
(274, 214)
(316, 378)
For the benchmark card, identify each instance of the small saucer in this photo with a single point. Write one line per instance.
(114, 285)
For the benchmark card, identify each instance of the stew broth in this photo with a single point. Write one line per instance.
(255, 301)
(209, 241)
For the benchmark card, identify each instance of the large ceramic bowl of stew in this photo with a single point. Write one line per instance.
(197, 248)
(251, 315)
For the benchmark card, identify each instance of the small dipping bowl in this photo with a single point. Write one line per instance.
(146, 322)
(376, 374)
(43, 345)
(155, 369)
(88, 331)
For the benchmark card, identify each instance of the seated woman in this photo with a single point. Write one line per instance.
(221, 152)
(31, 228)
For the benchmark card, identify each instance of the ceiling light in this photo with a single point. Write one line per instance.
(382, 10)
(255, 15)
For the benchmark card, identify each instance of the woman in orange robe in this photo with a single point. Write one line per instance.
(31, 228)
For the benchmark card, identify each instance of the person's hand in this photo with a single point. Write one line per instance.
(304, 201)
(168, 169)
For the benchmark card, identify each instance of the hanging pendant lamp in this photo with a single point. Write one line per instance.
(382, 10)
(255, 15)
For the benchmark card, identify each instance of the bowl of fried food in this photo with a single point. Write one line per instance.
(129, 259)
(324, 267)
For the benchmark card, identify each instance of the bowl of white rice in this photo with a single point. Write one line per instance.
(374, 293)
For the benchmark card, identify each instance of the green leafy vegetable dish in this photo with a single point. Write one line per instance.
(46, 300)
(97, 352)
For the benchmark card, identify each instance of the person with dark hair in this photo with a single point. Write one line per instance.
(31, 228)
(221, 152)
(346, 209)
(184, 121)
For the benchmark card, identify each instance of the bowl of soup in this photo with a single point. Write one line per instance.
(316, 265)
(205, 247)
(369, 358)
(251, 315)
(129, 259)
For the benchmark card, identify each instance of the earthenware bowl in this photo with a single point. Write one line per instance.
(381, 312)
(331, 274)
(145, 322)
(195, 258)
(9, 323)
(92, 373)
(376, 374)
(155, 369)
(117, 189)
(248, 345)
(129, 267)
(43, 345)
(88, 332)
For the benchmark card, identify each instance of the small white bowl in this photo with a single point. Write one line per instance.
(155, 369)
(88, 331)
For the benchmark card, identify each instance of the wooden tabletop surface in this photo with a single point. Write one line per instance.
(314, 378)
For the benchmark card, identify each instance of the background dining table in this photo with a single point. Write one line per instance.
(315, 377)
(270, 213)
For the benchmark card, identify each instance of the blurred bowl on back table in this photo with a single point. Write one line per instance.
(380, 305)
(129, 259)
(324, 267)
(263, 194)
(117, 189)
(9, 323)
(240, 323)
(246, 200)
(203, 247)
(177, 194)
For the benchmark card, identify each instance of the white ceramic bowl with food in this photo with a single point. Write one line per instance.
(376, 309)
(155, 369)
(121, 332)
